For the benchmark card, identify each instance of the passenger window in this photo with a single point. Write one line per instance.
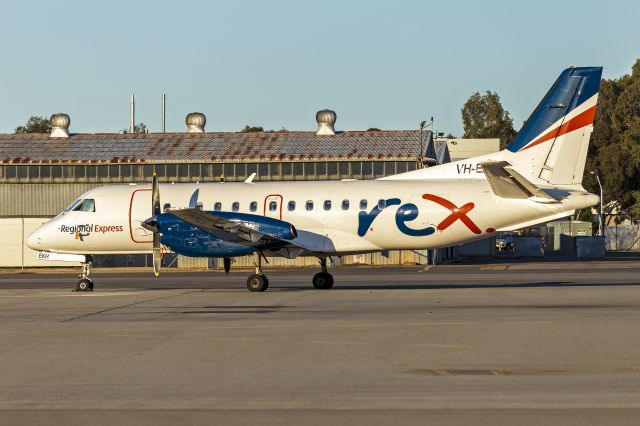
(309, 205)
(235, 206)
(327, 205)
(363, 204)
(291, 206)
(345, 204)
(382, 204)
(217, 206)
(253, 206)
(273, 206)
(87, 205)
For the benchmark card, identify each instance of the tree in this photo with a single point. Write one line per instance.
(615, 144)
(35, 124)
(252, 129)
(484, 117)
(138, 128)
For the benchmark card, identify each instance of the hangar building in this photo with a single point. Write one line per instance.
(40, 174)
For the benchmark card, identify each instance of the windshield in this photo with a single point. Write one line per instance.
(72, 205)
(86, 205)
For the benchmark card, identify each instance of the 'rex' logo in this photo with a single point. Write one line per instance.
(456, 213)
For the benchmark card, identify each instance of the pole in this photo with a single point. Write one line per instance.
(132, 115)
(600, 222)
(164, 112)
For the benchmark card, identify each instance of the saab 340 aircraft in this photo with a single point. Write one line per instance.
(538, 178)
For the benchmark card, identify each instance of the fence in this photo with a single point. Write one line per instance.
(622, 238)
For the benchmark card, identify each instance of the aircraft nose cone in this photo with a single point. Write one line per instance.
(34, 241)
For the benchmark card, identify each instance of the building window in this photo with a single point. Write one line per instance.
(321, 170)
(241, 171)
(401, 166)
(378, 168)
(345, 204)
(217, 170)
(183, 171)
(343, 167)
(125, 171)
(34, 172)
(263, 171)
(172, 171)
(229, 171)
(92, 172)
(356, 169)
(367, 169)
(217, 206)
(363, 204)
(205, 171)
(298, 171)
(79, 172)
(310, 170)
(309, 205)
(11, 172)
(273, 206)
(291, 206)
(252, 168)
(253, 206)
(235, 206)
(327, 204)
(332, 169)
(286, 171)
(23, 172)
(56, 171)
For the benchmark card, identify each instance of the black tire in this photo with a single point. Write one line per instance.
(323, 281)
(85, 285)
(257, 282)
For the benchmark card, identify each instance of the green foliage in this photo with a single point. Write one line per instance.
(615, 144)
(252, 129)
(138, 128)
(484, 117)
(35, 124)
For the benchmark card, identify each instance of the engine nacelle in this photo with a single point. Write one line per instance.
(263, 224)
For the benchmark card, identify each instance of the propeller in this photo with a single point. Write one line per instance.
(151, 224)
(155, 209)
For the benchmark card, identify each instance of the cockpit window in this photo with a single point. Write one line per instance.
(86, 205)
(73, 205)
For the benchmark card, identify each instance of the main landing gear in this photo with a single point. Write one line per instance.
(323, 280)
(85, 283)
(257, 281)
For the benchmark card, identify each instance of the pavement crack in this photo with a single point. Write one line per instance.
(127, 305)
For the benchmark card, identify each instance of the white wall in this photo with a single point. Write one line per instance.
(14, 252)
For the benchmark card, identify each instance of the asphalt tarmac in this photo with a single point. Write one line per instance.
(542, 343)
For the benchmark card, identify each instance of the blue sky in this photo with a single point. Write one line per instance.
(386, 64)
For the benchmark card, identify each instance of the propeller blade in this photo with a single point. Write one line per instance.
(151, 224)
(157, 255)
(155, 196)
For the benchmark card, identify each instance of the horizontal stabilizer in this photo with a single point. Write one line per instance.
(507, 183)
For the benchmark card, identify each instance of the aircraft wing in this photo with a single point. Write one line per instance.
(507, 183)
(239, 232)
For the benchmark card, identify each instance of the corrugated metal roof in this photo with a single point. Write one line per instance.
(207, 147)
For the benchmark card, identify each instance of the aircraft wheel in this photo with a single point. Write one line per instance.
(85, 284)
(323, 281)
(257, 282)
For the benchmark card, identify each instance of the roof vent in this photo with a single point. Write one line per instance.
(59, 125)
(326, 119)
(196, 122)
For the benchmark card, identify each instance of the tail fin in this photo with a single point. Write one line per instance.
(551, 147)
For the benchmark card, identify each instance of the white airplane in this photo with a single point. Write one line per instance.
(538, 178)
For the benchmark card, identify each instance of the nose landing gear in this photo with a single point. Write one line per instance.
(85, 283)
(323, 280)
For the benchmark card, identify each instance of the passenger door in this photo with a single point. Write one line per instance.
(140, 210)
(273, 206)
